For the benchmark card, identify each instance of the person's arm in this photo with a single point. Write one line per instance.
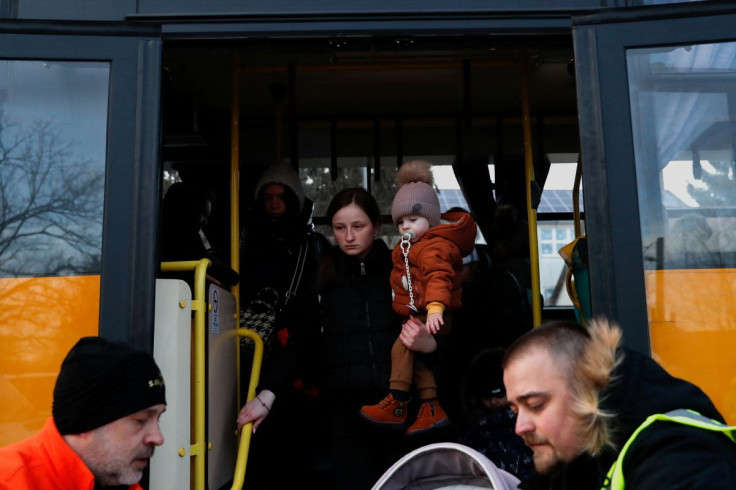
(434, 317)
(257, 409)
(436, 263)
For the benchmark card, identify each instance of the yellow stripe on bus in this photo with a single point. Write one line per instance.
(692, 322)
(40, 319)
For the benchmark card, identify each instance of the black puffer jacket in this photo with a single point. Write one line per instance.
(359, 325)
(271, 247)
(665, 455)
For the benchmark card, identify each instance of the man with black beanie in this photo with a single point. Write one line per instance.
(104, 426)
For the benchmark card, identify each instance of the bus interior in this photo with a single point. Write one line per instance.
(347, 111)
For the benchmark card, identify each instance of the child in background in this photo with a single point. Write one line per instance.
(488, 424)
(426, 284)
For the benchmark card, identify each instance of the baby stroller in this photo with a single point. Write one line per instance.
(445, 466)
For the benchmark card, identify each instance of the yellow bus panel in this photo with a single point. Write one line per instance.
(40, 319)
(692, 321)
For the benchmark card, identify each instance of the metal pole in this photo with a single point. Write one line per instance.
(235, 196)
(529, 176)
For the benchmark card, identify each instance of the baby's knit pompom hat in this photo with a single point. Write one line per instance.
(416, 193)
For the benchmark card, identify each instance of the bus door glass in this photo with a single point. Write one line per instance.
(683, 108)
(52, 175)
(681, 89)
(55, 156)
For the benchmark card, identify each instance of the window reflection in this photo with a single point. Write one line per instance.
(683, 114)
(683, 107)
(52, 159)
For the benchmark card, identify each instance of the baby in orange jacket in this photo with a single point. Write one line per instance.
(425, 284)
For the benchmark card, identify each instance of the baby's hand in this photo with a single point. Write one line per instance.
(434, 322)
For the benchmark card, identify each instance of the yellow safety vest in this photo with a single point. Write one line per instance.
(615, 476)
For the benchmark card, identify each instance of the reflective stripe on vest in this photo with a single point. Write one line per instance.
(615, 476)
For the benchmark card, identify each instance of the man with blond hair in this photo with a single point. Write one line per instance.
(599, 416)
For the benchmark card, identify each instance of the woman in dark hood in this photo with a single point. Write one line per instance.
(280, 253)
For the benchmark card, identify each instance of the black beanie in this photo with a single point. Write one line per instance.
(101, 381)
(485, 373)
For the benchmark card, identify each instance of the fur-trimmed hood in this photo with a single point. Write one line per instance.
(634, 387)
(640, 387)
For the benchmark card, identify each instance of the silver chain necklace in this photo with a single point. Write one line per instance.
(405, 245)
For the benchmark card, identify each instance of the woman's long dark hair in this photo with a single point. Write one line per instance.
(328, 274)
(358, 196)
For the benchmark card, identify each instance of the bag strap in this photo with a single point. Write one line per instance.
(298, 271)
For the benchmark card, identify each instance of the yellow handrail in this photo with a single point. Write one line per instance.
(245, 434)
(235, 196)
(199, 305)
(529, 177)
(198, 446)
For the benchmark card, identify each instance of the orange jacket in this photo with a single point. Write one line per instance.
(433, 262)
(44, 462)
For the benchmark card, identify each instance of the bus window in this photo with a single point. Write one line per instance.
(555, 228)
(352, 146)
(53, 122)
(683, 104)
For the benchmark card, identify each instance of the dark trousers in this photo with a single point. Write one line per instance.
(290, 448)
(361, 452)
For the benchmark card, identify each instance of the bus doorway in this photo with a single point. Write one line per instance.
(348, 111)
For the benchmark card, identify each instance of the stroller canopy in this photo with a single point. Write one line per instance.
(445, 466)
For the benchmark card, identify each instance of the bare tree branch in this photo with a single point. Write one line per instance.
(51, 215)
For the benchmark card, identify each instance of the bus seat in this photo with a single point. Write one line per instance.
(577, 280)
